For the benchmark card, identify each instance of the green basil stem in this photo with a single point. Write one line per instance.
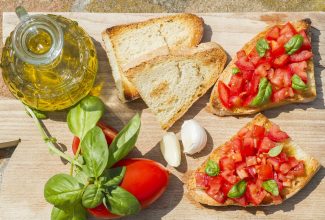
(47, 139)
(75, 158)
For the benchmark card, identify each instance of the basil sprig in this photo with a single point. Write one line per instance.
(262, 46)
(264, 93)
(297, 83)
(235, 70)
(95, 182)
(275, 151)
(271, 186)
(294, 44)
(212, 168)
(237, 190)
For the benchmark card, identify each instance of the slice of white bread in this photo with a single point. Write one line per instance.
(170, 84)
(130, 44)
(309, 95)
(290, 148)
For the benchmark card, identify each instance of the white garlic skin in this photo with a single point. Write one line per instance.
(194, 137)
(171, 149)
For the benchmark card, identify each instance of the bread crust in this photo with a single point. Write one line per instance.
(215, 107)
(311, 167)
(129, 91)
(211, 52)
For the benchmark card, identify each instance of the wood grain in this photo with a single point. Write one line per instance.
(31, 165)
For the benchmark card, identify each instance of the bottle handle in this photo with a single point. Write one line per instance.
(22, 13)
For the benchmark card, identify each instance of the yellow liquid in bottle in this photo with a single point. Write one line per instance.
(59, 84)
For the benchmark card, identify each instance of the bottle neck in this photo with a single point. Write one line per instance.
(37, 39)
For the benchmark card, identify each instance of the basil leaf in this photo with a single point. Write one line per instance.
(262, 46)
(120, 202)
(238, 189)
(294, 44)
(124, 142)
(271, 186)
(297, 83)
(235, 70)
(62, 190)
(95, 151)
(81, 177)
(92, 196)
(264, 93)
(212, 168)
(76, 213)
(113, 176)
(85, 115)
(275, 151)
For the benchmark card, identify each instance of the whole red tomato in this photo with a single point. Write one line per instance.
(145, 179)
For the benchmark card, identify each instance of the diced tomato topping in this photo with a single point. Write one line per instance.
(299, 69)
(301, 56)
(275, 134)
(235, 101)
(252, 171)
(288, 30)
(226, 187)
(241, 54)
(243, 132)
(229, 176)
(248, 147)
(251, 161)
(274, 162)
(224, 94)
(283, 157)
(214, 190)
(298, 170)
(258, 131)
(255, 194)
(202, 179)
(243, 63)
(278, 78)
(226, 163)
(253, 85)
(281, 61)
(265, 172)
(284, 168)
(241, 200)
(306, 45)
(262, 69)
(273, 34)
(277, 49)
(236, 84)
(266, 145)
(282, 94)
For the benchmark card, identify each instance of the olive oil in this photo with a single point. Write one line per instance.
(48, 71)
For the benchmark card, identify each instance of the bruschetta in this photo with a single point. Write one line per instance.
(274, 68)
(258, 166)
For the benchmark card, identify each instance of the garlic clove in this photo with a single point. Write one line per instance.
(194, 136)
(170, 149)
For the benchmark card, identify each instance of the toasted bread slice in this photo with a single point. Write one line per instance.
(130, 44)
(216, 107)
(170, 84)
(290, 148)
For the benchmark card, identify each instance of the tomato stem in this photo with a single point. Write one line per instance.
(50, 140)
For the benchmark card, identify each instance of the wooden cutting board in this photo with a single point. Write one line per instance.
(31, 164)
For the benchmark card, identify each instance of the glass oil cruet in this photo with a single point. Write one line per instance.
(48, 61)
